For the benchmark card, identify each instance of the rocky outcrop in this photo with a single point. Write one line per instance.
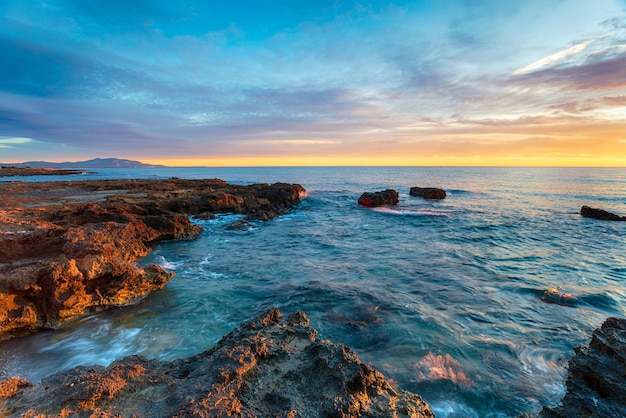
(77, 259)
(428, 192)
(381, 198)
(269, 367)
(596, 385)
(12, 171)
(67, 248)
(602, 214)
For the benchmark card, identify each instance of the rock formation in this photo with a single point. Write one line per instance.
(596, 385)
(67, 248)
(269, 367)
(376, 199)
(602, 214)
(428, 192)
(12, 171)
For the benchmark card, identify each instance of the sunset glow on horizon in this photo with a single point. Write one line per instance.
(330, 83)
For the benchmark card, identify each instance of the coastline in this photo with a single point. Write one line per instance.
(271, 366)
(11, 171)
(68, 248)
(36, 201)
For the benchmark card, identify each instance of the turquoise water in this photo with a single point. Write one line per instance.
(448, 298)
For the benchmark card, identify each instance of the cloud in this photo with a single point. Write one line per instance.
(552, 59)
(596, 73)
(301, 141)
(12, 142)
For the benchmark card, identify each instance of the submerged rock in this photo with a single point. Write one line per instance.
(602, 214)
(241, 225)
(268, 367)
(67, 248)
(596, 385)
(556, 296)
(381, 198)
(428, 192)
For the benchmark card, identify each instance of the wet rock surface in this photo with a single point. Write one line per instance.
(601, 214)
(596, 385)
(428, 193)
(67, 248)
(381, 198)
(269, 367)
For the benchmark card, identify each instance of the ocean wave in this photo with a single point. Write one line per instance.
(459, 192)
(544, 367)
(219, 220)
(535, 360)
(296, 214)
(411, 212)
(169, 265)
(445, 409)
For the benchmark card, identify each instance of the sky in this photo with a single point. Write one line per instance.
(325, 82)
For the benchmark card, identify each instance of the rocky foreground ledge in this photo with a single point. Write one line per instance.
(67, 248)
(269, 367)
(596, 384)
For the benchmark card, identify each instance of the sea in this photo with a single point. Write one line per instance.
(474, 302)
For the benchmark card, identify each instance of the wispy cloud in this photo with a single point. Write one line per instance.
(552, 59)
(12, 142)
(301, 141)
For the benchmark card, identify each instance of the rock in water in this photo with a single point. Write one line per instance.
(376, 199)
(269, 367)
(602, 214)
(596, 385)
(428, 192)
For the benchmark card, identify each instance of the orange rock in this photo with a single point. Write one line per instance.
(69, 247)
(271, 367)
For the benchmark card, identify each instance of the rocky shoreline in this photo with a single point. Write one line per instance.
(67, 248)
(10, 171)
(274, 366)
(269, 367)
(596, 383)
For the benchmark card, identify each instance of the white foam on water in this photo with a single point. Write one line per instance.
(169, 265)
(215, 275)
(106, 344)
(206, 260)
(444, 409)
(536, 361)
(411, 212)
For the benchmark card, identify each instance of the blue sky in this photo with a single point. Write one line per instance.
(537, 82)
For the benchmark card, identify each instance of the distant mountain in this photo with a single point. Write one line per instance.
(95, 163)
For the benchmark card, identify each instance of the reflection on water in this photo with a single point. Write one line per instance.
(475, 301)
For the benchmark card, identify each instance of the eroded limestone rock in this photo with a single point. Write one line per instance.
(596, 384)
(269, 367)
